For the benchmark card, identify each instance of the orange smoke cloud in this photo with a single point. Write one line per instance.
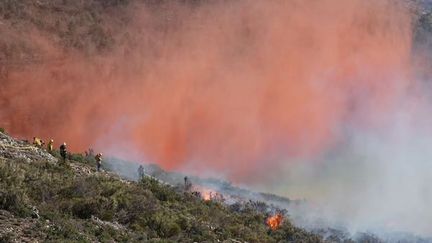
(227, 87)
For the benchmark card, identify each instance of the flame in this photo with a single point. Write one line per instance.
(274, 222)
(206, 195)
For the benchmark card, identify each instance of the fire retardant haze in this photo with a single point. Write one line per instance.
(314, 99)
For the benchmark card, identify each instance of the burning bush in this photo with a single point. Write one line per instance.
(274, 222)
(208, 195)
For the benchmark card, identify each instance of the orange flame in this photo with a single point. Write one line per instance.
(206, 195)
(274, 222)
(210, 195)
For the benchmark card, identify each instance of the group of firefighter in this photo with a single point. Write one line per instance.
(63, 151)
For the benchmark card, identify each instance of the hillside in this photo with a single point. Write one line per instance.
(44, 200)
(78, 70)
(43, 32)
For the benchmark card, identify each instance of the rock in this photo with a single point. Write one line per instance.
(35, 213)
(114, 225)
(14, 229)
(14, 149)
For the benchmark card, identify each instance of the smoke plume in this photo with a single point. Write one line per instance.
(276, 93)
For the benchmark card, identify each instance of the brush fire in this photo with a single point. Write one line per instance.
(304, 99)
(206, 195)
(209, 195)
(275, 221)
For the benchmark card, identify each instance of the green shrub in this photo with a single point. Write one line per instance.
(2, 130)
(161, 192)
(65, 230)
(78, 158)
(14, 201)
(85, 208)
(149, 210)
(165, 224)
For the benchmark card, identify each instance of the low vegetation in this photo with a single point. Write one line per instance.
(72, 202)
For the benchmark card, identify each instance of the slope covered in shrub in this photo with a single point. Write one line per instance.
(52, 201)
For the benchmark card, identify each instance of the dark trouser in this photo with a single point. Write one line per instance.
(98, 165)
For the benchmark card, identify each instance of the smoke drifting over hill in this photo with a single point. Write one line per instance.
(247, 90)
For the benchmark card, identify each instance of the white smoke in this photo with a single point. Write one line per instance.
(379, 181)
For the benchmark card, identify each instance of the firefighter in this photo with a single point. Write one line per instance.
(37, 142)
(89, 152)
(98, 159)
(140, 172)
(187, 184)
(63, 151)
(50, 145)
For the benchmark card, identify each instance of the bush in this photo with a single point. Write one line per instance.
(165, 225)
(2, 130)
(15, 202)
(161, 192)
(85, 208)
(64, 230)
(78, 158)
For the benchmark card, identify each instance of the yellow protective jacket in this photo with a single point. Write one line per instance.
(37, 142)
(50, 146)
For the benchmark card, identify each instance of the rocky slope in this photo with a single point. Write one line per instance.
(22, 150)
